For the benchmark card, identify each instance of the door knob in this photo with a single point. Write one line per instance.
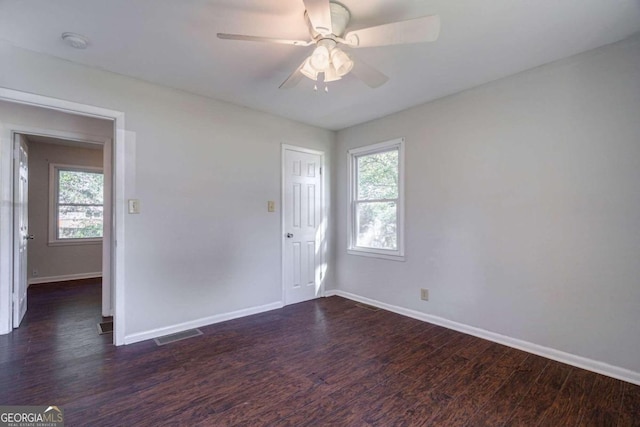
(289, 235)
(29, 237)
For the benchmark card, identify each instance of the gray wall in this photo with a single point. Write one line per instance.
(204, 244)
(522, 207)
(26, 115)
(55, 261)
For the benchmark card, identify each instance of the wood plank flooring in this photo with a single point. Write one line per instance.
(324, 362)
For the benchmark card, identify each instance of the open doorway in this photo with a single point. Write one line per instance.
(61, 200)
(18, 116)
(64, 227)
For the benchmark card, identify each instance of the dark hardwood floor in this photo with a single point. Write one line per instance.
(324, 362)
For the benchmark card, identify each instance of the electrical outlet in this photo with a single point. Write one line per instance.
(424, 294)
(34, 272)
(271, 206)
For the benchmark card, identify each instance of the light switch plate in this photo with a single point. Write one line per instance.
(271, 206)
(134, 206)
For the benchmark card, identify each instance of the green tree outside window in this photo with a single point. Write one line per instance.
(80, 199)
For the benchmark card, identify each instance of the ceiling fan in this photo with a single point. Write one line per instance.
(327, 22)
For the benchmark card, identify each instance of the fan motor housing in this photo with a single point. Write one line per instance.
(340, 17)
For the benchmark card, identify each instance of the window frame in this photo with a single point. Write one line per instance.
(53, 239)
(353, 155)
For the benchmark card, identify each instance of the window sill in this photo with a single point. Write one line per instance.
(357, 252)
(75, 242)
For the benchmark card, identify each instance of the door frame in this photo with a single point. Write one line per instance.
(324, 183)
(115, 246)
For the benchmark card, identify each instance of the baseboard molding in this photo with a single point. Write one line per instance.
(64, 278)
(550, 353)
(159, 332)
(330, 292)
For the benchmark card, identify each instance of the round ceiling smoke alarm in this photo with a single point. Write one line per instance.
(76, 41)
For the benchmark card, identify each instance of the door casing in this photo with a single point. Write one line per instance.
(115, 247)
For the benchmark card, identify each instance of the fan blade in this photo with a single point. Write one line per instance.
(319, 12)
(294, 78)
(425, 29)
(369, 75)
(263, 39)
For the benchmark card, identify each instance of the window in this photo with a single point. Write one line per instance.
(376, 213)
(75, 204)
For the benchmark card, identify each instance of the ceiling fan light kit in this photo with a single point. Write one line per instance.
(327, 59)
(319, 59)
(308, 71)
(341, 61)
(331, 75)
(327, 22)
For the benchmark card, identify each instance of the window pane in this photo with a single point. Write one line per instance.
(378, 176)
(376, 225)
(79, 222)
(80, 187)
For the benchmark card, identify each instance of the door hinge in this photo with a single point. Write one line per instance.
(320, 170)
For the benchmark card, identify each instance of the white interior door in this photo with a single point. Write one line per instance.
(302, 211)
(21, 228)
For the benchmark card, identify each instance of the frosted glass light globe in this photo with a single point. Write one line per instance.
(320, 59)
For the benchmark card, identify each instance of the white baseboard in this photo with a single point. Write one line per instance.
(64, 278)
(550, 353)
(330, 292)
(160, 332)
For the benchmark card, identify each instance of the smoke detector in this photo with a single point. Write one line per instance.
(76, 41)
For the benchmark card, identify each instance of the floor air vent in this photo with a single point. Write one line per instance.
(105, 328)
(367, 307)
(168, 339)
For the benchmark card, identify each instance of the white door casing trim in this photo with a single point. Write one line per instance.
(323, 222)
(115, 156)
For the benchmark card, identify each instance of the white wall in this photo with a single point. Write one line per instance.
(55, 261)
(204, 243)
(27, 115)
(523, 207)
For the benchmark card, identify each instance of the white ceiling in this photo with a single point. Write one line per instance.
(174, 43)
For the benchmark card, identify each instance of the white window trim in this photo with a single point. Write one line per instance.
(53, 197)
(352, 155)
